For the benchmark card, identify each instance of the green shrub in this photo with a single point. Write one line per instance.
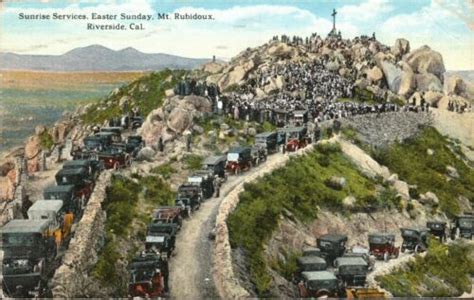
(413, 165)
(192, 161)
(165, 170)
(445, 271)
(147, 93)
(46, 140)
(232, 88)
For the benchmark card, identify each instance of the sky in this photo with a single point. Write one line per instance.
(445, 25)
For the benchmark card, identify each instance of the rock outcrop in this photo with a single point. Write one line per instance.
(425, 60)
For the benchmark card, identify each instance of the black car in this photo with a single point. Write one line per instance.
(437, 229)
(332, 246)
(216, 164)
(414, 239)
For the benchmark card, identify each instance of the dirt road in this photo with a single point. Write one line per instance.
(191, 266)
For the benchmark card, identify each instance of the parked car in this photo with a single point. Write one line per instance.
(318, 284)
(269, 140)
(79, 177)
(216, 164)
(239, 159)
(437, 229)
(295, 138)
(93, 166)
(259, 154)
(299, 117)
(114, 158)
(308, 264)
(462, 226)
(66, 193)
(332, 246)
(414, 239)
(169, 214)
(382, 246)
(148, 276)
(28, 254)
(352, 271)
(161, 237)
(189, 198)
(205, 180)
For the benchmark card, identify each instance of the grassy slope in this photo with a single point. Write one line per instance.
(299, 188)
(413, 165)
(445, 271)
(128, 205)
(147, 99)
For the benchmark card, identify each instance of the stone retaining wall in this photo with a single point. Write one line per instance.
(225, 279)
(82, 254)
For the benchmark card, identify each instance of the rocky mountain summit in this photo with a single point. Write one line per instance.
(398, 71)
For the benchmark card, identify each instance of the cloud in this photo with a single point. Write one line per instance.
(366, 11)
(436, 26)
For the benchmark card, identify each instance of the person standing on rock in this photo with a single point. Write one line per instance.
(189, 140)
(161, 145)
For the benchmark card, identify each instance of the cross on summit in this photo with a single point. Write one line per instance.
(333, 33)
(334, 13)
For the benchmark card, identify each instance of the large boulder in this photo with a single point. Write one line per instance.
(198, 103)
(428, 82)
(429, 198)
(213, 67)
(433, 97)
(374, 74)
(146, 154)
(407, 81)
(281, 50)
(426, 60)
(336, 182)
(152, 127)
(60, 130)
(275, 84)
(456, 86)
(392, 75)
(237, 73)
(401, 47)
(179, 120)
(7, 189)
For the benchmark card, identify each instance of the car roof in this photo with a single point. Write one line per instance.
(46, 205)
(71, 171)
(239, 149)
(214, 159)
(414, 229)
(291, 129)
(77, 162)
(67, 188)
(311, 260)
(25, 226)
(333, 237)
(350, 261)
(382, 234)
(318, 275)
(104, 133)
(265, 134)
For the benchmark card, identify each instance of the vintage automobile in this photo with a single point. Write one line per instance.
(54, 211)
(259, 154)
(295, 138)
(148, 276)
(281, 117)
(134, 144)
(352, 271)
(189, 198)
(308, 264)
(93, 166)
(299, 117)
(332, 246)
(269, 140)
(437, 229)
(415, 240)
(28, 255)
(161, 237)
(462, 226)
(382, 245)
(114, 133)
(169, 214)
(114, 158)
(216, 164)
(67, 193)
(80, 179)
(318, 284)
(98, 142)
(239, 159)
(205, 180)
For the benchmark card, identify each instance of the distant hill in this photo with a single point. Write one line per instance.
(98, 58)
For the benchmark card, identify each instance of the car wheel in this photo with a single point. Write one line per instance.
(385, 256)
